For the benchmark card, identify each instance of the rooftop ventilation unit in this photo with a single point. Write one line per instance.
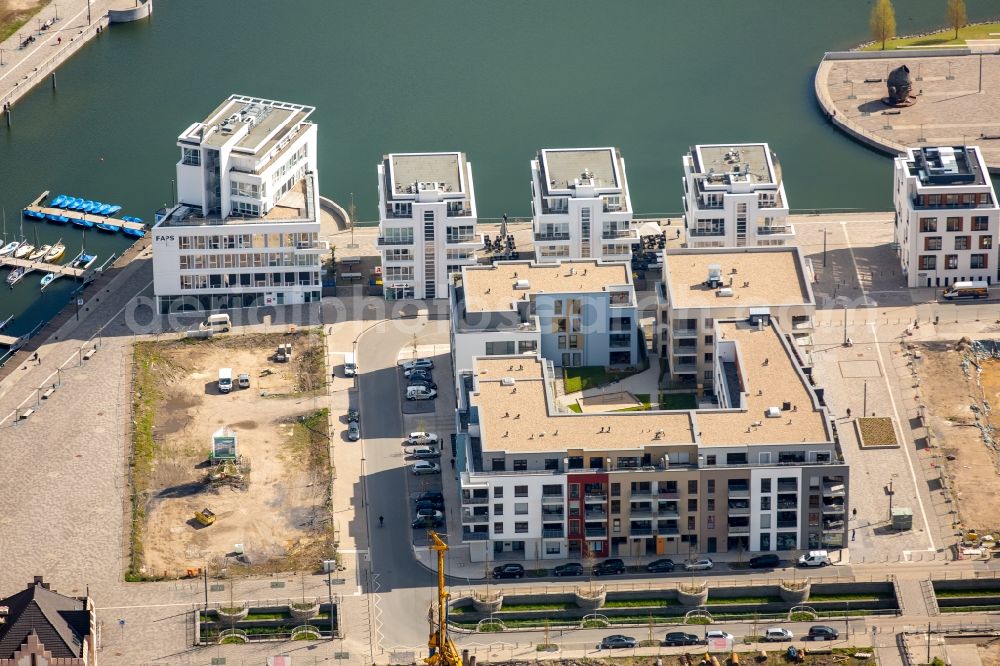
(773, 412)
(725, 292)
(522, 284)
(507, 381)
(714, 276)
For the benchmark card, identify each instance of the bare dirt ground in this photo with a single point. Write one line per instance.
(281, 518)
(13, 14)
(989, 653)
(950, 396)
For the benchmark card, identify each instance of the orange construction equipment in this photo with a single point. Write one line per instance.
(442, 650)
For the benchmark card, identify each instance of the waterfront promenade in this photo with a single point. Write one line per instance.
(23, 68)
(957, 94)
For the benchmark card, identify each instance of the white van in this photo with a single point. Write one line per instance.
(350, 365)
(815, 558)
(420, 392)
(217, 323)
(225, 380)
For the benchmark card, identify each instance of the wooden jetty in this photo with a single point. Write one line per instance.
(77, 215)
(58, 269)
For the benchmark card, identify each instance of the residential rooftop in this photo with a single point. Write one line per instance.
(295, 205)
(758, 277)
(264, 123)
(565, 169)
(730, 163)
(946, 165)
(498, 287)
(408, 174)
(520, 416)
(59, 622)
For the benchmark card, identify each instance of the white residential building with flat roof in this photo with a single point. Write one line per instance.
(581, 205)
(245, 229)
(734, 197)
(947, 217)
(427, 222)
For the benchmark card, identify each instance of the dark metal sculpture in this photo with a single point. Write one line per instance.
(899, 86)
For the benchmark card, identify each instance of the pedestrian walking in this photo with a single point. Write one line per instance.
(848, 412)
(852, 534)
(854, 512)
(453, 463)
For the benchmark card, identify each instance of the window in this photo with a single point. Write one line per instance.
(978, 261)
(243, 208)
(191, 156)
(765, 485)
(711, 486)
(499, 464)
(552, 548)
(500, 348)
(980, 223)
(692, 505)
(693, 487)
(710, 460)
(616, 489)
(616, 506)
(596, 462)
(963, 242)
(928, 224)
(498, 509)
(736, 458)
(691, 526)
(399, 236)
(813, 519)
(552, 464)
(497, 492)
(520, 491)
(710, 505)
(521, 509)
(927, 262)
(574, 462)
(527, 346)
(709, 339)
(520, 528)
(520, 465)
(498, 528)
(954, 223)
(460, 234)
(241, 189)
(616, 525)
(402, 209)
(428, 216)
(626, 462)
(765, 521)
(951, 261)
(986, 242)
(932, 243)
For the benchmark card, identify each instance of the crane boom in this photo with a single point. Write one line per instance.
(442, 650)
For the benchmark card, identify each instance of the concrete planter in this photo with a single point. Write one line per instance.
(794, 592)
(487, 603)
(590, 599)
(692, 595)
(232, 614)
(304, 612)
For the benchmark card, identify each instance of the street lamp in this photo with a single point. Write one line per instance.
(891, 493)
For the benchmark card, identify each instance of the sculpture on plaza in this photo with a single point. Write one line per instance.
(899, 86)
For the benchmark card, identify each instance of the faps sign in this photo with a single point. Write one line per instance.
(164, 239)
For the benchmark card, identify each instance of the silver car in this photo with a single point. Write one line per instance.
(703, 564)
(425, 452)
(353, 431)
(425, 467)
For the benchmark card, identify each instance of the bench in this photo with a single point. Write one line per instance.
(48, 393)
(90, 352)
(25, 414)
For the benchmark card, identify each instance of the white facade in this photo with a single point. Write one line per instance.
(734, 197)
(427, 222)
(581, 205)
(947, 218)
(245, 231)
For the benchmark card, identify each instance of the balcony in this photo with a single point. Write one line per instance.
(667, 531)
(553, 533)
(382, 240)
(833, 509)
(476, 518)
(667, 513)
(552, 499)
(641, 531)
(736, 530)
(684, 333)
(739, 511)
(669, 494)
(640, 513)
(642, 493)
(391, 214)
(595, 498)
(833, 526)
(475, 536)
(685, 368)
(609, 234)
(833, 489)
(475, 500)
(595, 515)
(774, 230)
(455, 240)
(552, 237)
(788, 504)
(739, 492)
(786, 524)
(553, 515)
(788, 486)
(702, 233)
(459, 212)
(596, 532)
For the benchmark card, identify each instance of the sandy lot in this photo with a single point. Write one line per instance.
(608, 402)
(280, 519)
(17, 11)
(950, 397)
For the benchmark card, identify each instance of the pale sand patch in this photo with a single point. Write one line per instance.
(608, 402)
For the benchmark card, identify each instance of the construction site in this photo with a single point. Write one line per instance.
(231, 466)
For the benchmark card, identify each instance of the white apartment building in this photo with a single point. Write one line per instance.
(703, 286)
(947, 217)
(574, 313)
(245, 230)
(734, 197)
(581, 206)
(427, 222)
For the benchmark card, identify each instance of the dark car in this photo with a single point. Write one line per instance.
(428, 504)
(616, 641)
(681, 638)
(766, 561)
(425, 522)
(508, 571)
(424, 383)
(430, 496)
(353, 416)
(424, 375)
(821, 632)
(571, 569)
(609, 567)
(660, 566)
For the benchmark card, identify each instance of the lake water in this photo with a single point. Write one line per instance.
(498, 80)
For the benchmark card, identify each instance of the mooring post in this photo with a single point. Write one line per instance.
(7, 113)
(53, 80)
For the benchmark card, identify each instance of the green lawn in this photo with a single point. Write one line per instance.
(942, 38)
(678, 401)
(985, 592)
(590, 376)
(573, 407)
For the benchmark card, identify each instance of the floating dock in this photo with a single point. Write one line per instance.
(77, 215)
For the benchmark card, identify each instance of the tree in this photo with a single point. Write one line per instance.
(883, 21)
(956, 15)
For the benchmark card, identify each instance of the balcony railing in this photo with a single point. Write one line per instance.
(699, 233)
(382, 240)
(667, 513)
(833, 489)
(595, 515)
(788, 504)
(739, 492)
(552, 499)
(596, 532)
(552, 237)
(454, 240)
(784, 524)
(475, 500)
(609, 234)
(595, 498)
(668, 494)
(459, 212)
(739, 511)
(667, 531)
(475, 536)
(476, 518)
(684, 332)
(553, 533)
(641, 531)
(788, 486)
(739, 529)
(553, 515)
(766, 231)
(685, 368)
(833, 508)
(642, 494)
(641, 513)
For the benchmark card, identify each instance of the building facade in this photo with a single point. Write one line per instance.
(702, 286)
(734, 197)
(245, 229)
(763, 472)
(427, 222)
(947, 217)
(581, 208)
(574, 313)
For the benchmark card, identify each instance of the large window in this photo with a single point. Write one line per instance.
(928, 224)
(500, 348)
(932, 243)
(978, 261)
(243, 208)
(462, 234)
(241, 189)
(980, 223)
(951, 262)
(402, 209)
(963, 242)
(954, 224)
(927, 262)
(398, 273)
(191, 156)
(400, 236)
(986, 242)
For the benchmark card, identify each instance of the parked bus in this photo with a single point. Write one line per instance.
(972, 289)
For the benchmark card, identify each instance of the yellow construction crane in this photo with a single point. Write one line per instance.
(442, 650)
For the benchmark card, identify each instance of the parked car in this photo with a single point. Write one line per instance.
(569, 569)
(353, 415)
(430, 496)
(420, 393)
(717, 634)
(660, 566)
(353, 431)
(425, 522)
(421, 437)
(422, 382)
(243, 380)
(424, 452)
(821, 632)
(616, 641)
(765, 561)
(430, 513)
(777, 635)
(511, 570)
(424, 375)
(417, 364)
(815, 558)
(681, 638)
(609, 567)
(425, 467)
(428, 504)
(703, 564)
